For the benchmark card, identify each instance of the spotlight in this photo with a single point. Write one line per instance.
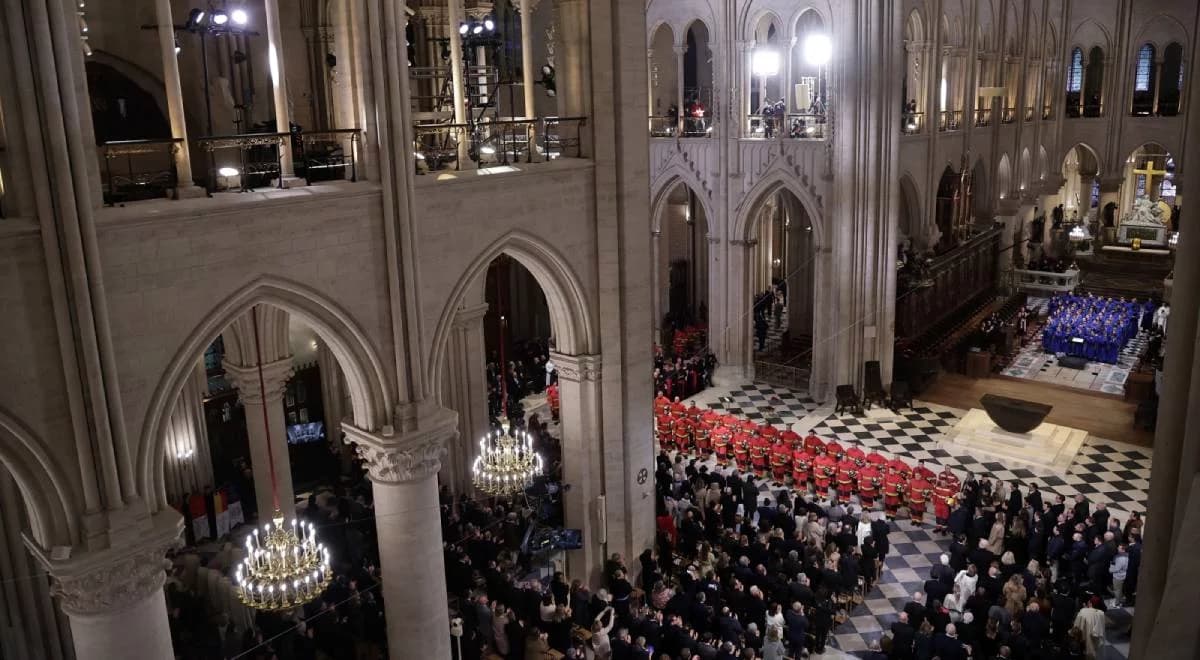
(228, 171)
(463, 28)
(765, 63)
(239, 16)
(477, 28)
(487, 150)
(177, 47)
(219, 17)
(195, 19)
(818, 49)
(489, 23)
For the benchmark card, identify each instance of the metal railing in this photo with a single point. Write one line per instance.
(139, 169)
(328, 155)
(663, 126)
(912, 123)
(697, 127)
(795, 126)
(1029, 113)
(259, 158)
(439, 147)
(983, 117)
(1047, 112)
(1008, 115)
(950, 120)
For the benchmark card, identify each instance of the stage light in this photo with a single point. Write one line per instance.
(228, 171)
(477, 28)
(765, 63)
(818, 50)
(219, 17)
(463, 28)
(489, 24)
(177, 47)
(239, 16)
(195, 19)
(487, 150)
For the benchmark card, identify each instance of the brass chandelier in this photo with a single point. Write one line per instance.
(506, 463)
(285, 566)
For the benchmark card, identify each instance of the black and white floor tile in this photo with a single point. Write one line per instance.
(1104, 471)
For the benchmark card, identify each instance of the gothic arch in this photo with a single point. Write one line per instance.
(1062, 159)
(910, 204)
(822, 18)
(575, 331)
(49, 496)
(365, 376)
(665, 183)
(743, 224)
(1003, 177)
(1158, 31)
(1090, 34)
(150, 83)
(1042, 164)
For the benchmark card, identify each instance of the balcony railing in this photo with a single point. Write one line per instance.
(1092, 110)
(1029, 113)
(138, 169)
(1008, 116)
(664, 126)
(492, 144)
(983, 117)
(259, 158)
(795, 126)
(950, 120)
(913, 123)
(1047, 112)
(329, 155)
(697, 127)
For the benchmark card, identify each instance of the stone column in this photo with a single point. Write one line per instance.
(656, 282)
(283, 114)
(742, 71)
(465, 392)
(457, 84)
(1158, 67)
(1007, 212)
(186, 186)
(333, 396)
(114, 598)
(584, 462)
(526, 10)
(274, 380)
(571, 57)
(403, 468)
(680, 51)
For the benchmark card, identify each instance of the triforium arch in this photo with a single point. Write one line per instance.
(365, 377)
(50, 497)
(661, 189)
(575, 331)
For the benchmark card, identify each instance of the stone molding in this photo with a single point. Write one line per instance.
(245, 379)
(466, 316)
(577, 368)
(393, 458)
(746, 243)
(109, 581)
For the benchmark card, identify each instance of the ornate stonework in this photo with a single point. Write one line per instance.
(411, 456)
(401, 464)
(245, 379)
(577, 368)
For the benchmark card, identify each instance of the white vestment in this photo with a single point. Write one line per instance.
(1091, 622)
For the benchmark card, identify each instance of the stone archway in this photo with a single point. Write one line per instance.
(809, 290)
(575, 355)
(681, 228)
(51, 499)
(366, 380)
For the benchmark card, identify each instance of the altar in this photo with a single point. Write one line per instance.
(1146, 221)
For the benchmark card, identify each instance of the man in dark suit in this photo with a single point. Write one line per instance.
(915, 609)
(1057, 509)
(1034, 498)
(903, 636)
(622, 645)
(796, 628)
(879, 532)
(946, 646)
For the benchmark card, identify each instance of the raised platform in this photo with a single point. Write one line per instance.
(1049, 446)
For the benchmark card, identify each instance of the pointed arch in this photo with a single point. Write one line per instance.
(743, 224)
(366, 379)
(575, 331)
(662, 186)
(910, 206)
(1003, 177)
(50, 497)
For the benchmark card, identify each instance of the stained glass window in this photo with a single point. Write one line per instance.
(1075, 71)
(1145, 65)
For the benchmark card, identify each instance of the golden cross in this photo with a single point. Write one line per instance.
(1149, 170)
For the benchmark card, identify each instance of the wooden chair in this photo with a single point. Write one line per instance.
(873, 392)
(847, 399)
(901, 396)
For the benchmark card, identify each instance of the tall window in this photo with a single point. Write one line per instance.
(1172, 80)
(1075, 71)
(1145, 65)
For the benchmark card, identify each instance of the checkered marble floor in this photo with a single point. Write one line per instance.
(1033, 363)
(1104, 471)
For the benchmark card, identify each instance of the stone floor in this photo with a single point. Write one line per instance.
(1104, 471)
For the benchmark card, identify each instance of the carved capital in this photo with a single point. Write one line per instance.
(393, 458)
(245, 379)
(469, 316)
(680, 49)
(577, 368)
(112, 580)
